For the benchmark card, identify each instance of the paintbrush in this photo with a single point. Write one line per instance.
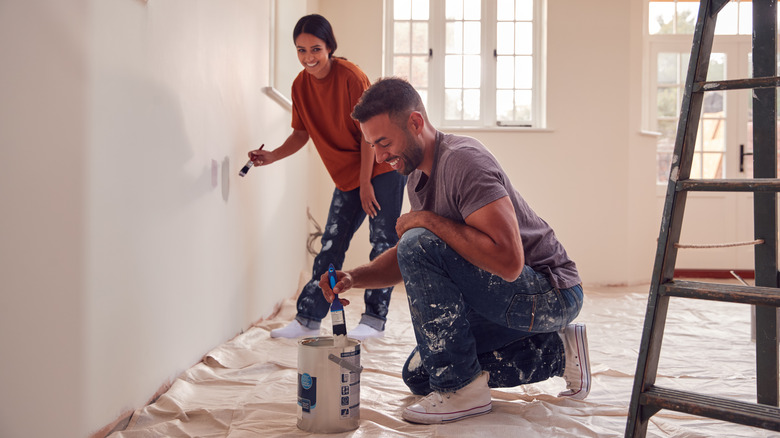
(249, 164)
(337, 313)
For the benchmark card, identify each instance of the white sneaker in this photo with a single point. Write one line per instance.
(443, 407)
(294, 330)
(577, 370)
(362, 332)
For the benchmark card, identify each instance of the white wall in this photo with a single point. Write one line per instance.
(43, 135)
(130, 245)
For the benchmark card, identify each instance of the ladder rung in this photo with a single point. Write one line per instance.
(729, 185)
(737, 84)
(732, 293)
(734, 411)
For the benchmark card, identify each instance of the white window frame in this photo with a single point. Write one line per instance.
(435, 94)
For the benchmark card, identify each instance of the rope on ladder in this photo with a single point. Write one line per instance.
(719, 245)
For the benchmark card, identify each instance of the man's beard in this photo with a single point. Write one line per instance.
(412, 155)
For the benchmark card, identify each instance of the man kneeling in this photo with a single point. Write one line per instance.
(491, 290)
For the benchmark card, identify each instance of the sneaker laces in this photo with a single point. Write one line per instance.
(441, 396)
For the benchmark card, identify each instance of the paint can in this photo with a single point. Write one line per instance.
(328, 385)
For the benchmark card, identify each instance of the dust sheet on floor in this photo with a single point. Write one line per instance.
(247, 387)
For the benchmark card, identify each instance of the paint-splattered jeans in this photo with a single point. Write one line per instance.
(467, 320)
(344, 218)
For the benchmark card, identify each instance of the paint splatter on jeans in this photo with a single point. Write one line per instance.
(466, 320)
(344, 218)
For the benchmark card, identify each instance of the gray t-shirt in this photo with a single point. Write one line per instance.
(466, 177)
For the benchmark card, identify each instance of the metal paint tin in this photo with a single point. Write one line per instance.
(328, 385)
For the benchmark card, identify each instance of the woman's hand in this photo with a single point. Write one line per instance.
(368, 200)
(260, 157)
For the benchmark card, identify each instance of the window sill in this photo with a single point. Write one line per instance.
(494, 129)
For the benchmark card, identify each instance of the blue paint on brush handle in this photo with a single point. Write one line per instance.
(336, 309)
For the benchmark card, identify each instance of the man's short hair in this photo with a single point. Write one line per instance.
(392, 96)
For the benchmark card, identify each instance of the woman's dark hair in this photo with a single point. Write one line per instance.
(318, 26)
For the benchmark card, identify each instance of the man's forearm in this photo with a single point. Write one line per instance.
(381, 272)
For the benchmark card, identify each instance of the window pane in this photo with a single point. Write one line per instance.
(524, 10)
(401, 43)
(402, 9)
(472, 9)
(504, 105)
(453, 71)
(401, 66)
(696, 170)
(685, 59)
(667, 68)
(696, 166)
(523, 103)
(505, 72)
(717, 69)
(472, 69)
(424, 96)
(713, 103)
(505, 39)
(420, 9)
(667, 102)
(454, 32)
(454, 10)
(420, 37)
(664, 148)
(664, 162)
(745, 18)
(471, 104)
(687, 13)
(661, 18)
(668, 130)
(712, 135)
(524, 38)
(524, 73)
(419, 77)
(727, 23)
(472, 37)
(505, 10)
(452, 104)
(712, 165)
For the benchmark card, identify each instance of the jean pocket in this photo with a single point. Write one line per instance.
(537, 313)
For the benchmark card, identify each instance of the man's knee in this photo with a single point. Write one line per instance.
(416, 242)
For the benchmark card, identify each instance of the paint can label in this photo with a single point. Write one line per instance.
(349, 403)
(307, 392)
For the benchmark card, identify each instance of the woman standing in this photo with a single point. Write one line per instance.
(323, 96)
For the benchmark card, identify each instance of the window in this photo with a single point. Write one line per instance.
(678, 17)
(476, 63)
(709, 152)
(671, 24)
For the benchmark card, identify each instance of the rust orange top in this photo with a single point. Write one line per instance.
(322, 107)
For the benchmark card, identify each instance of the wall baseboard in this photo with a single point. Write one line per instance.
(714, 273)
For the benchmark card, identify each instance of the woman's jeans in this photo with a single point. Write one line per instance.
(467, 320)
(344, 218)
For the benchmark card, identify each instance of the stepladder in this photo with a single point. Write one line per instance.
(647, 398)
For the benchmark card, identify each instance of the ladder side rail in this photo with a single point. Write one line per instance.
(657, 306)
(765, 204)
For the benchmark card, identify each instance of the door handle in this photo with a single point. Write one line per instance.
(742, 154)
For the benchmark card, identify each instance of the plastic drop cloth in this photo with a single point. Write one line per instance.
(248, 386)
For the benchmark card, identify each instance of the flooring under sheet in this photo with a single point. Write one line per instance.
(247, 387)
